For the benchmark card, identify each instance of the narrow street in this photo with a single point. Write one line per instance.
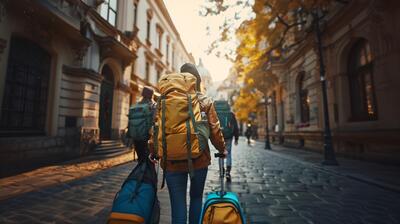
(273, 188)
(84, 82)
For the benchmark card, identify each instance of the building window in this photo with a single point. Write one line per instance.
(173, 57)
(158, 74)
(304, 99)
(133, 73)
(26, 88)
(362, 93)
(109, 11)
(147, 71)
(159, 37)
(274, 108)
(148, 29)
(135, 11)
(167, 51)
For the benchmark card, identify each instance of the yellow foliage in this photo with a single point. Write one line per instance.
(245, 104)
(264, 36)
(277, 24)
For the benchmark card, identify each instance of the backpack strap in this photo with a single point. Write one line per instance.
(164, 139)
(188, 136)
(156, 131)
(189, 150)
(139, 180)
(191, 114)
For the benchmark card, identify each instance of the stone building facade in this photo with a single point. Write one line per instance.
(160, 48)
(361, 51)
(69, 70)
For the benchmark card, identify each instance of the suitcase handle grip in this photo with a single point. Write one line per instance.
(219, 155)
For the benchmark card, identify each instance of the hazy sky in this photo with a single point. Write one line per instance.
(192, 29)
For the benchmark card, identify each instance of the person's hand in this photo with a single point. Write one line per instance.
(225, 153)
(153, 158)
(236, 142)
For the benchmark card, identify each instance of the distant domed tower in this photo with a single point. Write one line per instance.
(206, 80)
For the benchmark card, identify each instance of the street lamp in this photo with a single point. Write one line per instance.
(267, 101)
(329, 153)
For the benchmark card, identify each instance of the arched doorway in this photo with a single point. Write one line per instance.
(24, 106)
(106, 103)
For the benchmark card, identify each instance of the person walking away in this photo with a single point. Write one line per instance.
(186, 119)
(230, 130)
(248, 133)
(141, 120)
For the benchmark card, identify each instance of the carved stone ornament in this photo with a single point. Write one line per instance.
(80, 52)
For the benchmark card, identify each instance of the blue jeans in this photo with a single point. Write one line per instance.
(228, 145)
(177, 187)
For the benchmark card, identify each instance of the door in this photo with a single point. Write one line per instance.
(106, 103)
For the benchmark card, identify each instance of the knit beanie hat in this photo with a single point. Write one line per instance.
(147, 92)
(191, 68)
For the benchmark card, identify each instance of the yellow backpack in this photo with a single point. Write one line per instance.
(222, 213)
(182, 130)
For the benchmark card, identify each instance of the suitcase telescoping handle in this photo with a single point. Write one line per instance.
(221, 157)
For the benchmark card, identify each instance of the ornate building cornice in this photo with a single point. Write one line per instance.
(82, 73)
(110, 47)
(121, 86)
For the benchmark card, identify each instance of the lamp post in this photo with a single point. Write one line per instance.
(267, 101)
(329, 153)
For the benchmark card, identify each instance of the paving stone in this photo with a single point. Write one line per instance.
(264, 219)
(295, 220)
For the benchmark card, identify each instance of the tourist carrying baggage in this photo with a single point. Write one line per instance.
(186, 120)
(222, 206)
(136, 202)
(141, 120)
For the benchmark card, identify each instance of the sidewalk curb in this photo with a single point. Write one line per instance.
(359, 178)
(57, 174)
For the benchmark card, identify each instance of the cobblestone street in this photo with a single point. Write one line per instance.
(273, 188)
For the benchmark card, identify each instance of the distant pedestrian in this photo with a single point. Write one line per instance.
(248, 133)
(230, 130)
(141, 120)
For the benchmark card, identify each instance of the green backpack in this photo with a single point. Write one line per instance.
(225, 117)
(140, 121)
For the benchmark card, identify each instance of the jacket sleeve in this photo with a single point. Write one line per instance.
(235, 127)
(216, 136)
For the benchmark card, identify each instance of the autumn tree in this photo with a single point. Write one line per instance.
(274, 30)
(272, 34)
(245, 104)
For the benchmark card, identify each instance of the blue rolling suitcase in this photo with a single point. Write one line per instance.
(222, 207)
(137, 201)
